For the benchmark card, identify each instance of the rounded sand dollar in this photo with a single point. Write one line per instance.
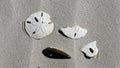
(39, 25)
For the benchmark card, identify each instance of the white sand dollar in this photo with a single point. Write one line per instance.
(74, 32)
(39, 25)
(90, 50)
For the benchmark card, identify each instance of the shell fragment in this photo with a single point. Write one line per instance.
(90, 50)
(74, 32)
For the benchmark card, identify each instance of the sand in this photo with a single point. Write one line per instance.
(100, 17)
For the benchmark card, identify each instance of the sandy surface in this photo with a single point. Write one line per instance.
(100, 17)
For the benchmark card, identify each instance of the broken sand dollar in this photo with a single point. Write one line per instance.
(74, 32)
(38, 25)
(90, 50)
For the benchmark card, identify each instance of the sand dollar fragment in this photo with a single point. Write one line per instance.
(74, 32)
(90, 50)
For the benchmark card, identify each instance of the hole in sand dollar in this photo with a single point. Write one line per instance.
(34, 32)
(74, 34)
(41, 14)
(28, 22)
(36, 19)
(91, 50)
